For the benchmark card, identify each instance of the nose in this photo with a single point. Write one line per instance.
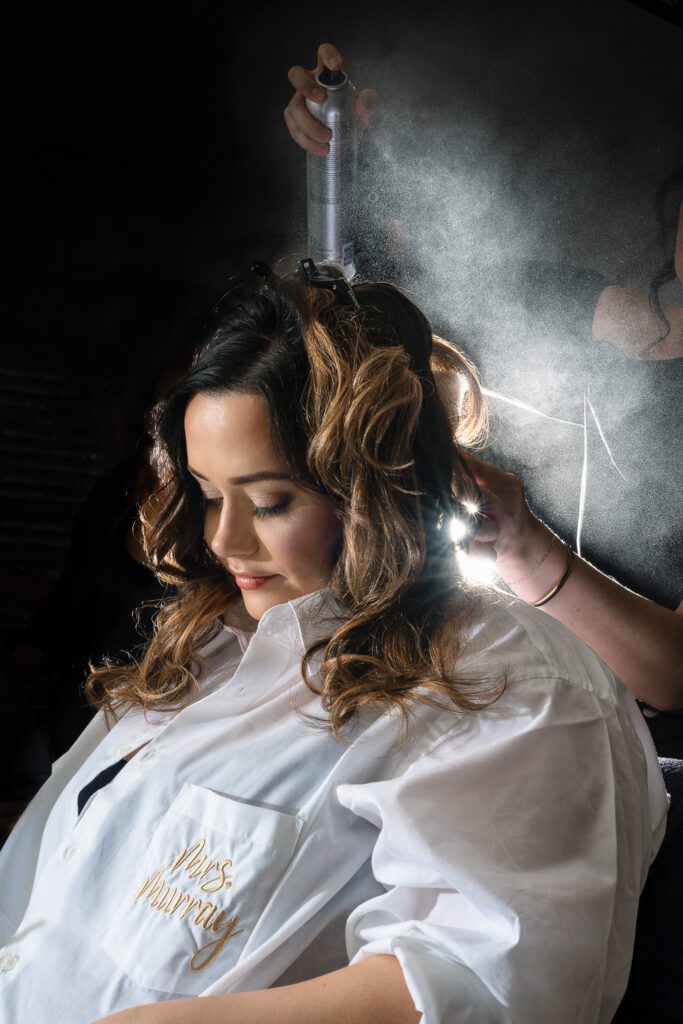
(230, 532)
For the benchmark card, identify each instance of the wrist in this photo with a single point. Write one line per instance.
(535, 567)
(520, 550)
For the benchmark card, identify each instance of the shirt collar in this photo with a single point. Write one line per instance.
(296, 624)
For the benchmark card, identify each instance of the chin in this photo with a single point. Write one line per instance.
(257, 602)
(257, 608)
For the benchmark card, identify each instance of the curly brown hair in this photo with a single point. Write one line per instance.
(370, 408)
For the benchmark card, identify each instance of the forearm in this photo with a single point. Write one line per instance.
(370, 992)
(641, 641)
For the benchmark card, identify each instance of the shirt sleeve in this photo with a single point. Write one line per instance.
(513, 853)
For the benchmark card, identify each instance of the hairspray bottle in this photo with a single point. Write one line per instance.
(331, 179)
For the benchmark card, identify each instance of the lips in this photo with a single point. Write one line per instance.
(247, 574)
(248, 581)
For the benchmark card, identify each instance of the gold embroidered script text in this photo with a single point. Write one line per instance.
(208, 916)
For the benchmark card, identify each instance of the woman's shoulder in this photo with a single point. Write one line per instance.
(523, 673)
(505, 635)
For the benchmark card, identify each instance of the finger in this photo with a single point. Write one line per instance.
(329, 57)
(487, 474)
(484, 551)
(491, 523)
(365, 106)
(487, 469)
(302, 119)
(366, 101)
(487, 532)
(477, 464)
(305, 141)
(304, 82)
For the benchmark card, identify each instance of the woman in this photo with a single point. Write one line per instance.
(340, 784)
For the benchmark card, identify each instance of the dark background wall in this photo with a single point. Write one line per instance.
(147, 159)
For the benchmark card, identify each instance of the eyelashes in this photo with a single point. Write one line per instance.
(259, 511)
(266, 511)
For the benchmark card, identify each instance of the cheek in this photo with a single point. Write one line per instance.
(308, 544)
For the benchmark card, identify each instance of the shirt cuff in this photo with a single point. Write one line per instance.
(443, 990)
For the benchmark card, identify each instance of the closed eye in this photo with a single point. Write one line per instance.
(264, 511)
(260, 511)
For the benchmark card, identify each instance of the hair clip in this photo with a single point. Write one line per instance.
(337, 283)
(264, 271)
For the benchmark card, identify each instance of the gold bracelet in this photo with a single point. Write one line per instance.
(537, 566)
(561, 582)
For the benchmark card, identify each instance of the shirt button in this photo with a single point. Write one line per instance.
(8, 962)
(123, 750)
(69, 852)
(650, 712)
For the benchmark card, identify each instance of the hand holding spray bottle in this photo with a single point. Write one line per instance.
(331, 179)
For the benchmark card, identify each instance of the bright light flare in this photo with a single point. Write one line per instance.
(477, 568)
(459, 529)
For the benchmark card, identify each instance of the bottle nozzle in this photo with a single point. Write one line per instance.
(327, 77)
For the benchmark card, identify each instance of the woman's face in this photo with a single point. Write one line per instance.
(275, 537)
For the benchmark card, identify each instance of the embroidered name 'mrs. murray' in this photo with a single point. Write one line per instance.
(213, 878)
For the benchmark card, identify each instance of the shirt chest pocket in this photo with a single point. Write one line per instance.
(208, 874)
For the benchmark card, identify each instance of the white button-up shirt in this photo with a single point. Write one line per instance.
(498, 855)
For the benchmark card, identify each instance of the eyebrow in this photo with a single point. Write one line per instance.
(250, 478)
